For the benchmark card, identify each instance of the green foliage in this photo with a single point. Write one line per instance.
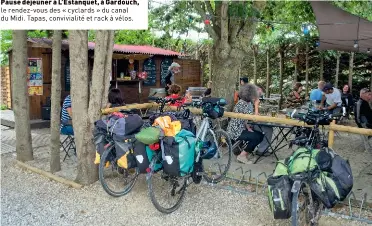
(3, 107)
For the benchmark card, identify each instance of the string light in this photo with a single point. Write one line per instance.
(356, 44)
(368, 50)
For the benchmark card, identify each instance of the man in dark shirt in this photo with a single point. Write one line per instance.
(363, 111)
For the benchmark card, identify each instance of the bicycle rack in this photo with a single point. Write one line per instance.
(240, 176)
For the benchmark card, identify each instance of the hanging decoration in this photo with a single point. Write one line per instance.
(305, 29)
(270, 27)
(356, 44)
(190, 19)
(368, 50)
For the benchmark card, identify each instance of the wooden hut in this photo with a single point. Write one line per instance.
(155, 61)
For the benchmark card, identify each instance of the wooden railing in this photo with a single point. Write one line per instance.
(255, 118)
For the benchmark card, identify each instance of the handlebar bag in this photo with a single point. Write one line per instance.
(280, 196)
(213, 107)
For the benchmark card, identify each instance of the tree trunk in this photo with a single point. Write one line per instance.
(268, 77)
(281, 76)
(224, 79)
(210, 56)
(87, 101)
(296, 66)
(351, 67)
(87, 170)
(307, 69)
(102, 65)
(108, 68)
(255, 49)
(337, 68)
(55, 164)
(321, 67)
(21, 105)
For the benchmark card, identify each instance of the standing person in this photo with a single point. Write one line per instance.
(239, 129)
(66, 117)
(347, 99)
(332, 98)
(173, 69)
(294, 99)
(115, 98)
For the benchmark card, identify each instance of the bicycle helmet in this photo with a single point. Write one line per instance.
(209, 151)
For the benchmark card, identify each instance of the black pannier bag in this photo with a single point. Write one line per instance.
(280, 196)
(342, 176)
(325, 188)
(141, 157)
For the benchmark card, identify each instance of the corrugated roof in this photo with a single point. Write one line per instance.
(150, 50)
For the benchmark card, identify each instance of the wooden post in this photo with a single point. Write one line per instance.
(351, 66)
(331, 135)
(321, 71)
(296, 66)
(337, 68)
(307, 69)
(268, 73)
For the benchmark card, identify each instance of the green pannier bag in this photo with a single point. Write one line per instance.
(325, 188)
(149, 135)
(179, 154)
(302, 160)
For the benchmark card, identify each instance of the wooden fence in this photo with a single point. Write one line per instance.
(5, 87)
(255, 118)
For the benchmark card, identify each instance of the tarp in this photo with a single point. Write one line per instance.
(340, 30)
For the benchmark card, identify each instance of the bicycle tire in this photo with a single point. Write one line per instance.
(223, 174)
(101, 167)
(149, 179)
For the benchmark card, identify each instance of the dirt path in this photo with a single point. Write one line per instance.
(29, 199)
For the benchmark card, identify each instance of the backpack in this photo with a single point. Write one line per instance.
(178, 153)
(280, 196)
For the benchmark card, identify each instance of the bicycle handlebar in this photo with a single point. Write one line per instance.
(165, 99)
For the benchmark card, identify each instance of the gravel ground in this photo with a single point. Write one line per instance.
(30, 199)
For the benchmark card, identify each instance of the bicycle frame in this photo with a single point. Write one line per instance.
(205, 127)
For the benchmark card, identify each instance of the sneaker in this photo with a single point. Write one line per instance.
(243, 159)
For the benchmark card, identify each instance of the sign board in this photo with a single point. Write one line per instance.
(150, 67)
(35, 77)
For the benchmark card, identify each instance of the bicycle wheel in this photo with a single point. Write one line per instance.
(166, 193)
(301, 206)
(216, 168)
(116, 181)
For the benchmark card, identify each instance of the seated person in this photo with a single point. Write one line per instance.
(363, 111)
(317, 94)
(294, 99)
(66, 117)
(332, 98)
(115, 98)
(347, 99)
(239, 129)
(174, 91)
